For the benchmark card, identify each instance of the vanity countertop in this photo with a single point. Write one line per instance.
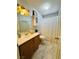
(26, 38)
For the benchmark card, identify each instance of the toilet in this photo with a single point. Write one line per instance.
(44, 40)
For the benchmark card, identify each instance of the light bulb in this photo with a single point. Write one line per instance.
(46, 6)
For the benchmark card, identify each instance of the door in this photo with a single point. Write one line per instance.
(57, 37)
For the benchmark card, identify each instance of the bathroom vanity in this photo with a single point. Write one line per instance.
(28, 37)
(28, 45)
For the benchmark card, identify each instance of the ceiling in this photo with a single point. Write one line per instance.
(44, 7)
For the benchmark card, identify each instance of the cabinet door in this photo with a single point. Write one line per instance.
(36, 41)
(28, 49)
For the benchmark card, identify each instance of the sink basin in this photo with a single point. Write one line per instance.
(25, 34)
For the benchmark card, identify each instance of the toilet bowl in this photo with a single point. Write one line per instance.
(44, 40)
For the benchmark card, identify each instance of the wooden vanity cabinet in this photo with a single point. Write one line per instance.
(27, 49)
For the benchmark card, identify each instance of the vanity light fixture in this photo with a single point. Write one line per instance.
(21, 10)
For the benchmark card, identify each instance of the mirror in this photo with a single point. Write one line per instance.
(24, 23)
